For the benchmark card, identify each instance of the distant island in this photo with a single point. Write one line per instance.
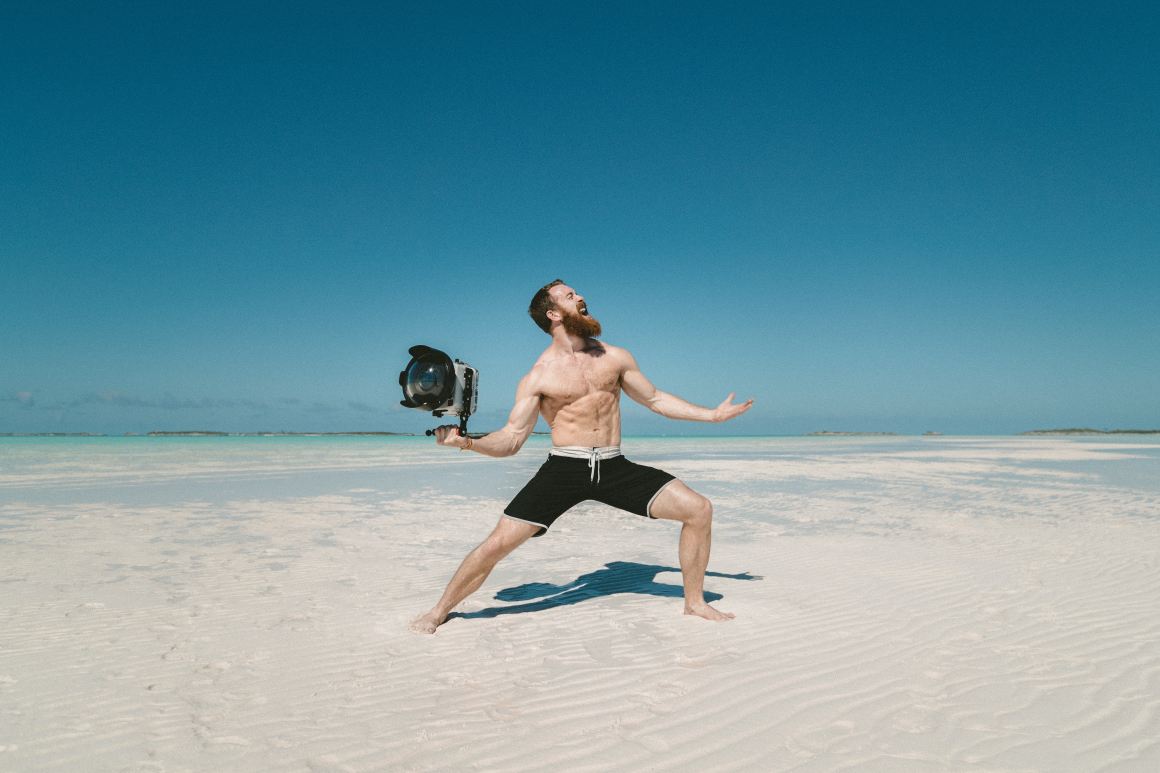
(1090, 431)
(828, 433)
(52, 434)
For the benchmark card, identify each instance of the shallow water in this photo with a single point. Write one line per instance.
(148, 470)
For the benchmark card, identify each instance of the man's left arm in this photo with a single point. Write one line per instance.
(637, 386)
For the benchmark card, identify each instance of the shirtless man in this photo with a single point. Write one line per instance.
(576, 385)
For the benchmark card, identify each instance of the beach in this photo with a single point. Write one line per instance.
(903, 604)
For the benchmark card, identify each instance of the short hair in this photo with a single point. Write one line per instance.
(541, 304)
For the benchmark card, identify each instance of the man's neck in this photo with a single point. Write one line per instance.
(567, 343)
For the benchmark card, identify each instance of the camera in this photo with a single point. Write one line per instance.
(434, 382)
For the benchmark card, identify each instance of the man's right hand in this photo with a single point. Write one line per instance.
(448, 435)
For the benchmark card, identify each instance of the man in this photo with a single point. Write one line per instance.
(576, 385)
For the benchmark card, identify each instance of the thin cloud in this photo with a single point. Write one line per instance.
(172, 403)
(27, 399)
(320, 407)
(362, 407)
(167, 402)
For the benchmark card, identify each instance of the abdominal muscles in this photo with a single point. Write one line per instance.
(592, 420)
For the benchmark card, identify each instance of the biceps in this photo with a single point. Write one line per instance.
(638, 387)
(522, 419)
(526, 410)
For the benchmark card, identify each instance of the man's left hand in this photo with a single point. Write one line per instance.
(729, 410)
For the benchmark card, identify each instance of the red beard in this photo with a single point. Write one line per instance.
(579, 325)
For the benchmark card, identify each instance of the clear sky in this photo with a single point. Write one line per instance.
(867, 216)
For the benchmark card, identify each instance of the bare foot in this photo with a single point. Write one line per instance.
(427, 623)
(707, 612)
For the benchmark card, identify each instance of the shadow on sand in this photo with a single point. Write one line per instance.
(616, 577)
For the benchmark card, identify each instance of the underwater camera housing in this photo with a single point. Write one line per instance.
(434, 382)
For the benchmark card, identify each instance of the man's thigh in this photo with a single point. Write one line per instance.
(678, 502)
(512, 533)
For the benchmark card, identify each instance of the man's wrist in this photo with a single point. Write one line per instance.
(468, 443)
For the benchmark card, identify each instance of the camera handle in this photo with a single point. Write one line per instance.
(462, 429)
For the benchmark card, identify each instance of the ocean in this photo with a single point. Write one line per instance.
(137, 470)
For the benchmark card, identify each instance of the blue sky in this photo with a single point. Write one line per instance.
(877, 217)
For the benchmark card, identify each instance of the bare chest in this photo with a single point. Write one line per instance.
(571, 380)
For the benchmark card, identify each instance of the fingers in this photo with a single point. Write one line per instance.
(733, 410)
(729, 410)
(447, 435)
(728, 401)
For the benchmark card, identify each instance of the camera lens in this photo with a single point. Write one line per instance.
(426, 379)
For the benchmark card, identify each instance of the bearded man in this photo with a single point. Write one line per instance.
(576, 385)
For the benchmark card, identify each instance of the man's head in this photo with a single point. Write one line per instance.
(557, 302)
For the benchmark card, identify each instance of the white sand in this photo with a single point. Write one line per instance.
(915, 605)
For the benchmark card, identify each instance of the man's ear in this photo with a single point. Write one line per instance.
(554, 314)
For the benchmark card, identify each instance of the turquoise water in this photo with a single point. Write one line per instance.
(213, 468)
(142, 470)
(795, 486)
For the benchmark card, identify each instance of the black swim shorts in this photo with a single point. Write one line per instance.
(564, 482)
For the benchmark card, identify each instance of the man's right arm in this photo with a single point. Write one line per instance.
(506, 441)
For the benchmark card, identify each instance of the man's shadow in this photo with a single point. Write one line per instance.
(616, 577)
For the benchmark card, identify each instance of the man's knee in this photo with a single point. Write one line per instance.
(493, 549)
(697, 511)
(702, 513)
(504, 539)
(678, 502)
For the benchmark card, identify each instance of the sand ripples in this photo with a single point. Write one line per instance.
(977, 610)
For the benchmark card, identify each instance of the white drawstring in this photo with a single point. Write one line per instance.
(593, 455)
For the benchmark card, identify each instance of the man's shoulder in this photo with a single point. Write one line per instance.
(541, 369)
(618, 353)
(546, 358)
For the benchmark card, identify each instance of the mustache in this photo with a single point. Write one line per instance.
(582, 325)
